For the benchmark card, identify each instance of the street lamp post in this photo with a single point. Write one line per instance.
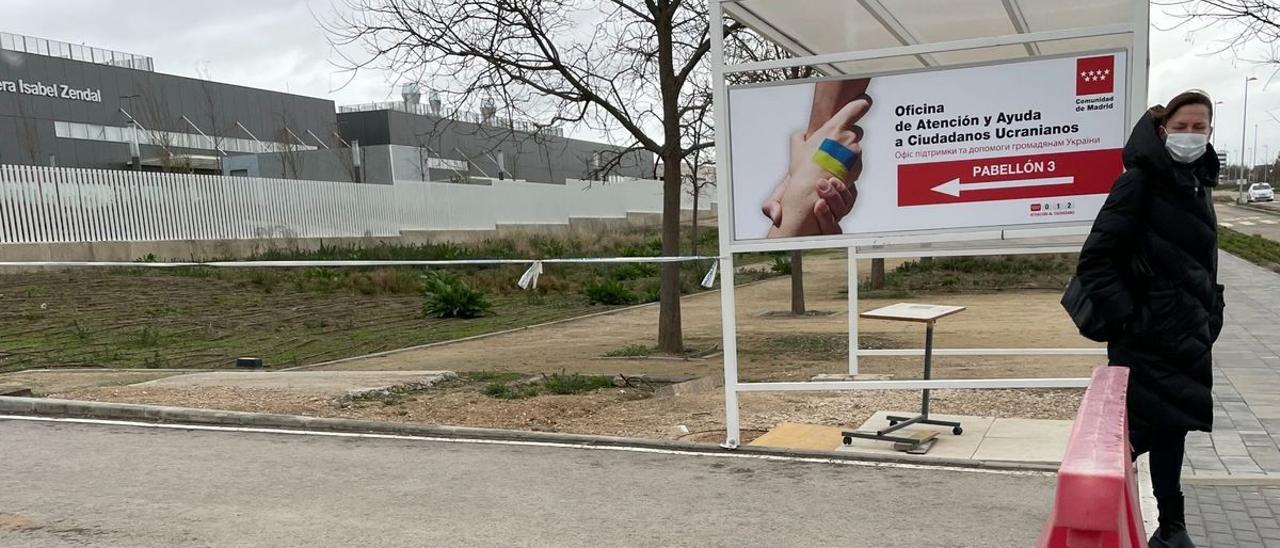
(1214, 135)
(1244, 131)
(1266, 157)
(1253, 160)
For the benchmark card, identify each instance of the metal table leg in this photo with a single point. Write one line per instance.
(898, 423)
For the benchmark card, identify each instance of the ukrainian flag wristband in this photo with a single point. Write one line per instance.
(835, 158)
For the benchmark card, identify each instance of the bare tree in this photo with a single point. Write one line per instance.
(344, 154)
(1250, 23)
(215, 128)
(157, 119)
(288, 148)
(618, 66)
(698, 127)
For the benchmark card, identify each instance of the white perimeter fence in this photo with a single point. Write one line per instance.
(63, 205)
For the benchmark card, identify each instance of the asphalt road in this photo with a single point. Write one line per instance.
(68, 484)
(1264, 221)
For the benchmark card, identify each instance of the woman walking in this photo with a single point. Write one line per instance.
(1150, 267)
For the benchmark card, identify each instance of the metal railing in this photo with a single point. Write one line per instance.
(470, 117)
(78, 52)
(40, 205)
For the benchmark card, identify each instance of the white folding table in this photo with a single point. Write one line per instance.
(927, 314)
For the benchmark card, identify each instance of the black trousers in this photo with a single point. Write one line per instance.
(1167, 449)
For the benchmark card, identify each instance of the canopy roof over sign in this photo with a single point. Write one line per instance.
(989, 29)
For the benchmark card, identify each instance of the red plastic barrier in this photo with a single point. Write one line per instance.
(1097, 501)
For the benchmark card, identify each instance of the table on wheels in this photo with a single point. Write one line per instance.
(927, 314)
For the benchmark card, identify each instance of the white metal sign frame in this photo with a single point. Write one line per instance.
(1136, 31)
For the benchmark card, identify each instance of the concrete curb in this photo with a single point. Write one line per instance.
(46, 407)
(1225, 480)
(1258, 209)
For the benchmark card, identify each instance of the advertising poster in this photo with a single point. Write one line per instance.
(1025, 143)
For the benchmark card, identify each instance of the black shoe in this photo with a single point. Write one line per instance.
(1171, 539)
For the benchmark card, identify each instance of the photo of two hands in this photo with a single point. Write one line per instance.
(825, 161)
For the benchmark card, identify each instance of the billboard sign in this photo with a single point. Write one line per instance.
(1016, 144)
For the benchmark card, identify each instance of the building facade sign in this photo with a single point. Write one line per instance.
(54, 90)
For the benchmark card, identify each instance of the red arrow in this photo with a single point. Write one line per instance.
(1032, 177)
(954, 187)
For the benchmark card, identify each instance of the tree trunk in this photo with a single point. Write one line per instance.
(877, 273)
(797, 283)
(670, 333)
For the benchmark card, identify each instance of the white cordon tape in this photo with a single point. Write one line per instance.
(297, 264)
(530, 278)
(709, 280)
(527, 281)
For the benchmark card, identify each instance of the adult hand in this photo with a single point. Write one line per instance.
(835, 197)
(812, 201)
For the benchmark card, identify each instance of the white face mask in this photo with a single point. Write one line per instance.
(1186, 147)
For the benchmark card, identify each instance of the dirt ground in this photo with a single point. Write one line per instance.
(771, 348)
(779, 347)
(44, 382)
(614, 412)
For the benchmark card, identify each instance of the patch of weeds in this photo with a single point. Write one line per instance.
(385, 281)
(635, 271)
(264, 279)
(321, 280)
(609, 292)
(445, 296)
(81, 333)
(154, 361)
(559, 383)
(146, 338)
(811, 346)
(549, 247)
(781, 265)
(631, 351)
(503, 391)
(955, 274)
(648, 248)
(651, 291)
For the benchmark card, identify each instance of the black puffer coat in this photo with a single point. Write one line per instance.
(1150, 265)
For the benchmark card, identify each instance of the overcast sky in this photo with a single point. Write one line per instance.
(277, 44)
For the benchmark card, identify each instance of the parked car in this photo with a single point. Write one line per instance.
(1261, 192)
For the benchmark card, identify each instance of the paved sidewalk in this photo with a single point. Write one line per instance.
(1246, 379)
(1233, 516)
(1232, 476)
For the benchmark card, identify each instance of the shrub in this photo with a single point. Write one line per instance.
(635, 271)
(609, 292)
(782, 265)
(548, 247)
(504, 391)
(648, 248)
(445, 296)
